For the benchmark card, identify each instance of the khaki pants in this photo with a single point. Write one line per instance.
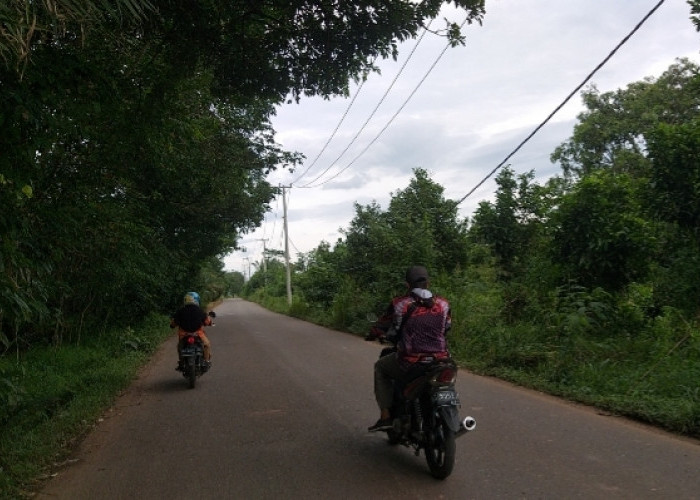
(386, 370)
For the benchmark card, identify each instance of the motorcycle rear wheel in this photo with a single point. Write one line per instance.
(440, 450)
(191, 373)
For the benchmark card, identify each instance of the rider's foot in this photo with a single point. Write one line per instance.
(381, 425)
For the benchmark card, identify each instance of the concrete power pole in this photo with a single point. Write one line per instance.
(264, 250)
(286, 246)
(247, 259)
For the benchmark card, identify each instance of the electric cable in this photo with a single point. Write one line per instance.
(430, 69)
(556, 110)
(295, 247)
(374, 111)
(500, 165)
(342, 119)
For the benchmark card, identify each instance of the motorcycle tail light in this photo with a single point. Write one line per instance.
(190, 340)
(447, 376)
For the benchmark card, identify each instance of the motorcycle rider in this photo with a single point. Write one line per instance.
(421, 322)
(191, 318)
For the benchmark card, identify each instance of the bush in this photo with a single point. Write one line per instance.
(54, 395)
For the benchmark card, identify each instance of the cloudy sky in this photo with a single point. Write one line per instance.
(463, 117)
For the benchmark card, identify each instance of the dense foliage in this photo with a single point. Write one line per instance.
(587, 286)
(50, 400)
(136, 141)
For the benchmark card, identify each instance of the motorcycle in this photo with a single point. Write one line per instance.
(192, 363)
(425, 412)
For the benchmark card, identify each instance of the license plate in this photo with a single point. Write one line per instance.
(445, 398)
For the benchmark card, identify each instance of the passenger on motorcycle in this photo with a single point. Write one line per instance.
(191, 318)
(421, 322)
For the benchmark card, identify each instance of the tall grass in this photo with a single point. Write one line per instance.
(651, 373)
(584, 345)
(49, 397)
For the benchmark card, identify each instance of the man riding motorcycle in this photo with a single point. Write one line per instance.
(421, 322)
(191, 318)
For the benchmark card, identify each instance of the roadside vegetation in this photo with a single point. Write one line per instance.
(50, 397)
(586, 286)
(136, 141)
(135, 144)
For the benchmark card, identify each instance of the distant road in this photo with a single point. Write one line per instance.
(283, 415)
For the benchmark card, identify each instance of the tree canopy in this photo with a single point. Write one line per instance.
(136, 139)
(614, 130)
(620, 223)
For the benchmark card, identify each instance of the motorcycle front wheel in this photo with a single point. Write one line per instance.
(440, 450)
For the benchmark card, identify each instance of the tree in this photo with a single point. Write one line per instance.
(601, 235)
(321, 273)
(136, 138)
(673, 197)
(614, 131)
(368, 245)
(273, 282)
(427, 225)
(496, 224)
(645, 138)
(256, 49)
(234, 283)
(695, 11)
(308, 47)
(674, 186)
(365, 268)
(419, 227)
(512, 223)
(26, 23)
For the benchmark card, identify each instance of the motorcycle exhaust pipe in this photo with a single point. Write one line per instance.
(466, 425)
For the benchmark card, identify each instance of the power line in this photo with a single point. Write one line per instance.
(556, 110)
(374, 111)
(295, 247)
(274, 222)
(347, 110)
(432, 66)
(500, 165)
(342, 119)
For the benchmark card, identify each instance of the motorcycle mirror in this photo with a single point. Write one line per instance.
(212, 314)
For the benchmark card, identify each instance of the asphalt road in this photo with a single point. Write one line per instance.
(284, 411)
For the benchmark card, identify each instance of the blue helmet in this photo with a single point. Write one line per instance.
(192, 298)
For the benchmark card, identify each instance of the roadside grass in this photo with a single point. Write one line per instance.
(50, 397)
(651, 374)
(653, 381)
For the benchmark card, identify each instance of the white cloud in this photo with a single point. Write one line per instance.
(473, 109)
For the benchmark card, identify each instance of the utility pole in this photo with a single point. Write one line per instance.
(286, 246)
(264, 250)
(247, 259)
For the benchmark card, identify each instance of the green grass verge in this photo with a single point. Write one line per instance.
(651, 376)
(50, 397)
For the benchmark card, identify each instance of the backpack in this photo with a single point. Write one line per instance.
(421, 298)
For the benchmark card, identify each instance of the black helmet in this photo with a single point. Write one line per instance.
(417, 277)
